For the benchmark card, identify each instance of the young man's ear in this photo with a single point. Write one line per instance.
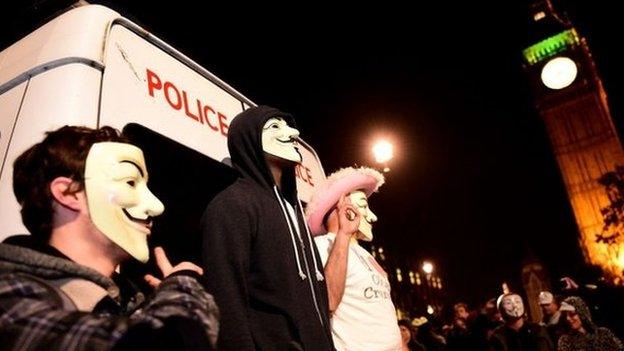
(63, 190)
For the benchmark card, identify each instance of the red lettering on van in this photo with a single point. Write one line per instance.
(153, 81)
(222, 124)
(186, 108)
(177, 98)
(206, 110)
(167, 88)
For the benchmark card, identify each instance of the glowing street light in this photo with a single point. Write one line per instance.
(427, 267)
(383, 151)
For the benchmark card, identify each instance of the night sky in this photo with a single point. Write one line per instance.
(474, 186)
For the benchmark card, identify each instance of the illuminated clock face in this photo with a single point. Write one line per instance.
(559, 72)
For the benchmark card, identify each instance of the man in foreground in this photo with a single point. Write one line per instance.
(84, 198)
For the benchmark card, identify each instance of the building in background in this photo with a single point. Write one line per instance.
(571, 100)
(417, 289)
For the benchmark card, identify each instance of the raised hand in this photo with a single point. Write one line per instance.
(348, 217)
(167, 269)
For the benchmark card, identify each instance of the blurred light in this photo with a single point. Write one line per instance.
(383, 151)
(430, 309)
(427, 267)
(399, 275)
(412, 279)
(538, 16)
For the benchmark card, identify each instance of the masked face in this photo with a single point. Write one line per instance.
(278, 139)
(513, 306)
(120, 204)
(360, 202)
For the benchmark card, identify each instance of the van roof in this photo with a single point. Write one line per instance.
(58, 41)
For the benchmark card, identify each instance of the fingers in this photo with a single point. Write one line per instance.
(152, 281)
(188, 266)
(351, 214)
(167, 269)
(162, 261)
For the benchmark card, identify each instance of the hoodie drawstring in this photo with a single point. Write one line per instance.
(292, 235)
(319, 276)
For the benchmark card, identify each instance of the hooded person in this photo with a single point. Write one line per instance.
(363, 315)
(260, 261)
(582, 333)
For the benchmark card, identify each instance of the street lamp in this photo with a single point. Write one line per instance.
(383, 151)
(427, 267)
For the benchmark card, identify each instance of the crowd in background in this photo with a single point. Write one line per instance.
(502, 324)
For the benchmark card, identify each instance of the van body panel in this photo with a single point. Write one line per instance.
(92, 67)
(67, 95)
(78, 33)
(147, 86)
(10, 103)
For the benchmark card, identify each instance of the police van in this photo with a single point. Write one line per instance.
(91, 66)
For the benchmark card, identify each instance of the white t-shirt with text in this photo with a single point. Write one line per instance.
(365, 319)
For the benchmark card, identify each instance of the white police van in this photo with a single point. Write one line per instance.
(90, 66)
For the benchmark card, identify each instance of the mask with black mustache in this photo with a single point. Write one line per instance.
(120, 204)
(280, 140)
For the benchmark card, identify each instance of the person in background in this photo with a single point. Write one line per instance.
(461, 334)
(581, 333)
(428, 336)
(485, 323)
(408, 336)
(551, 315)
(517, 334)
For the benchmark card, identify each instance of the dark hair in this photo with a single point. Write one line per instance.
(412, 343)
(62, 153)
(405, 322)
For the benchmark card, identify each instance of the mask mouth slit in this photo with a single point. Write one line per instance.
(287, 141)
(146, 222)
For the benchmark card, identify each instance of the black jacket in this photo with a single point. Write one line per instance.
(531, 337)
(266, 279)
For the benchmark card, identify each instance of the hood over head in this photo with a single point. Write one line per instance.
(576, 304)
(247, 154)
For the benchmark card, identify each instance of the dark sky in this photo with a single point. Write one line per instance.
(474, 185)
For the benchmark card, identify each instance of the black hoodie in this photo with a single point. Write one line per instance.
(266, 279)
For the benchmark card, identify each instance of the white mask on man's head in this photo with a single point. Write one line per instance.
(278, 139)
(512, 306)
(360, 202)
(120, 204)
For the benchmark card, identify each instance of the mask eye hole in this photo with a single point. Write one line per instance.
(132, 183)
(275, 126)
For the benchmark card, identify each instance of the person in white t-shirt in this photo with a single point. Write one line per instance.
(363, 316)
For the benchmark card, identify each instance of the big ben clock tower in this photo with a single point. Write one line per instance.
(570, 98)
